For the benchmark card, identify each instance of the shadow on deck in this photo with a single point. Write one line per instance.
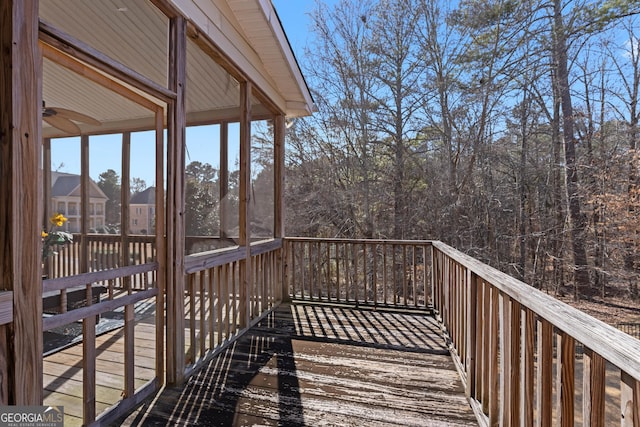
(322, 365)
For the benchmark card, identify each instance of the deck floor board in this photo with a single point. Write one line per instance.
(322, 365)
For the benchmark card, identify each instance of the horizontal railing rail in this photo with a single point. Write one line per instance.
(516, 349)
(394, 273)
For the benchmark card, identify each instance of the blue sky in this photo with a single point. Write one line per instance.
(294, 15)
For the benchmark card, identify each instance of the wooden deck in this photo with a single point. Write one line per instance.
(322, 365)
(63, 374)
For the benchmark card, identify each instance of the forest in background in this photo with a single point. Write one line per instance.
(507, 129)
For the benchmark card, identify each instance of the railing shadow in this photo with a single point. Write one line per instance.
(366, 327)
(262, 357)
(255, 380)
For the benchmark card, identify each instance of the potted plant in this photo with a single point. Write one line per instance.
(54, 238)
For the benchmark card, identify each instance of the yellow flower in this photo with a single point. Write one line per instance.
(53, 240)
(58, 219)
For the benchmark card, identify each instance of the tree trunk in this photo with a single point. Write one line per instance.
(576, 217)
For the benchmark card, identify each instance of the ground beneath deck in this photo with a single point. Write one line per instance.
(322, 365)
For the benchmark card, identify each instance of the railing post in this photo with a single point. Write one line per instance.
(544, 380)
(472, 313)
(175, 203)
(284, 267)
(528, 368)
(492, 405)
(593, 389)
(629, 400)
(565, 379)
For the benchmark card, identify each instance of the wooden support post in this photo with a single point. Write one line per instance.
(506, 360)
(515, 374)
(224, 179)
(471, 332)
(245, 200)
(161, 253)
(565, 379)
(125, 199)
(593, 389)
(544, 374)
(528, 368)
(89, 323)
(21, 201)
(279, 130)
(175, 202)
(85, 182)
(494, 357)
(129, 351)
(46, 195)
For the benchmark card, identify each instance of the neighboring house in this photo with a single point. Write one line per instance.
(142, 211)
(65, 199)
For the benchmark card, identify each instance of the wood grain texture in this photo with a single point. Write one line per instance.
(245, 201)
(565, 380)
(629, 401)
(6, 307)
(21, 199)
(175, 201)
(87, 54)
(64, 372)
(593, 389)
(612, 344)
(323, 365)
(161, 249)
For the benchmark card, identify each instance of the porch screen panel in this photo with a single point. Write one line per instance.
(262, 180)
(211, 153)
(202, 188)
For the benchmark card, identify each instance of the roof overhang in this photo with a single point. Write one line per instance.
(245, 34)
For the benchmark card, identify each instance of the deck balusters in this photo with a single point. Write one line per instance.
(366, 272)
(520, 350)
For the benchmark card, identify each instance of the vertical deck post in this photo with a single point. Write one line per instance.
(20, 201)
(471, 332)
(565, 379)
(593, 389)
(161, 276)
(245, 200)
(176, 119)
(224, 178)
(89, 323)
(279, 220)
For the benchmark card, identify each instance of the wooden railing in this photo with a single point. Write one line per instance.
(392, 273)
(105, 251)
(86, 314)
(529, 359)
(216, 308)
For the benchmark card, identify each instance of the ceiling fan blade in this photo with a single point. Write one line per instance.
(74, 115)
(62, 124)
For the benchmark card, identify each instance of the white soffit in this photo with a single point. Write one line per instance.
(251, 35)
(135, 33)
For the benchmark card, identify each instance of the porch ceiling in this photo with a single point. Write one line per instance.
(135, 34)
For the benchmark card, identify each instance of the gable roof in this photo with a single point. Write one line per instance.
(146, 197)
(68, 185)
